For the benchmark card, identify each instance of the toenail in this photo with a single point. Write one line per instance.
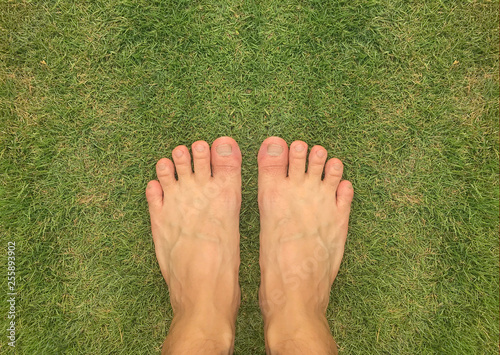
(320, 153)
(299, 148)
(337, 166)
(150, 185)
(162, 166)
(274, 150)
(224, 150)
(200, 147)
(178, 153)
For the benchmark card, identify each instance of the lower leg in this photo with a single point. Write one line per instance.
(204, 315)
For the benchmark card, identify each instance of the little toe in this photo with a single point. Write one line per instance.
(154, 195)
(273, 158)
(201, 160)
(165, 172)
(317, 158)
(333, 172)
(345, 193)
(297, 160)
(182, 160)
(226, 157)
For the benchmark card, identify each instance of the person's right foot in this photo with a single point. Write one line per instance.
(304, 223)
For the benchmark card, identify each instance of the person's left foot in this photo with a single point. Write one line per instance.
(195, 226)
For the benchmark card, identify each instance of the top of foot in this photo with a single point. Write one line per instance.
(304, 221)
(195, 227)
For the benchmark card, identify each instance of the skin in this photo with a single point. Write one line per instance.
(195, 227)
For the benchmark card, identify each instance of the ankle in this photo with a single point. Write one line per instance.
(200, 334)
(289, 333)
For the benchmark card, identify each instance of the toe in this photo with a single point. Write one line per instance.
(165, 172)
(154, 195)
(226, 157)
(317, 158)
(273, 158)
(182, 160)
(297, 160)
(201, 160)
(333, 172)
(345, 194)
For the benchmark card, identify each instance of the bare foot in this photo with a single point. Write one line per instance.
(304, 223)
(195, 226)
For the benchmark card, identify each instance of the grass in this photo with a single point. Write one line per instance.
(93, 93)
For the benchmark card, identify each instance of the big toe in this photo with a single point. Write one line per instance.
(226, 157)
(273, 158)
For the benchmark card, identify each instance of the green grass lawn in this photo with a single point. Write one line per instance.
(93, 93)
